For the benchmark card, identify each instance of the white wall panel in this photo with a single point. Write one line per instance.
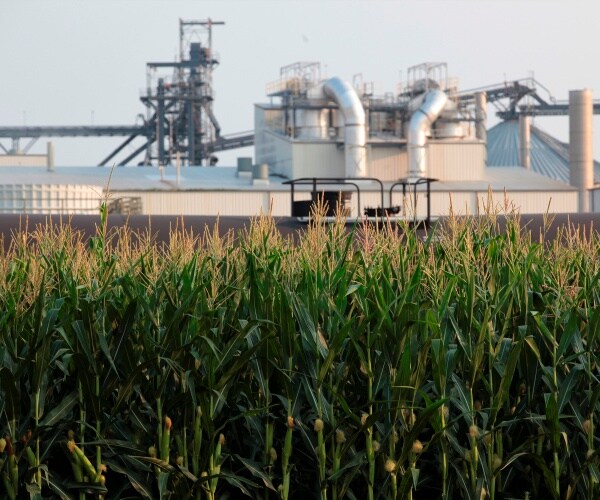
(313, 159)
(240, 203)
(456, 160)
(388, 163)
(23, 160)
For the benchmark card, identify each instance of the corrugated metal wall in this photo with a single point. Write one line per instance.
(211, 202)
(595, 201)
(23, 160)
(387, 163)
(525, 202)
(275, 151)
(313, 159)
(456, 160)
(252, 202)
(269, 146)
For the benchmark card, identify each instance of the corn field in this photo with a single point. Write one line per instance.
(361, 364)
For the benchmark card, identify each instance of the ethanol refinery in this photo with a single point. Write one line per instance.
(415, 152)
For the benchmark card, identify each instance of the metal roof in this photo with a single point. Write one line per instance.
(549, 156)
(226, 179)
(138, 178)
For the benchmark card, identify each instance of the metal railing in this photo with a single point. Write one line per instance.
(332, 181)
(410, 188)
(128, 205)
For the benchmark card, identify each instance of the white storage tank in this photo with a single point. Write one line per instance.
(449, 126)
(312, 123)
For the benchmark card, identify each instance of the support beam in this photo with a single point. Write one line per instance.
(136, 152)
(30, 145)
(117, 151)
(160, 122)
(83, 131)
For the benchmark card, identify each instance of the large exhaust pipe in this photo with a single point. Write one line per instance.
(581, 162)
(355, 134)
(419, 127)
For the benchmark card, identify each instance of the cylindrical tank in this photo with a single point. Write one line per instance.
(581, 162)
(448, 126)
(451, 129)
(260, 171)
(312, 124)
(525, 141)
(50, 156)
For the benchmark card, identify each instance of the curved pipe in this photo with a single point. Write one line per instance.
(355, 135)
(419, 126)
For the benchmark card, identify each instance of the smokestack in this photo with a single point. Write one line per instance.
(581, 162)
(50, 156)
(525, 141)
(481, 116)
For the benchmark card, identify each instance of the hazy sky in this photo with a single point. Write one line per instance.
(68, 62)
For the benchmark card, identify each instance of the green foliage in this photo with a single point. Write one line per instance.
(375, 364)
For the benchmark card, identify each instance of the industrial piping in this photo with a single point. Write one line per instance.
(355, 135)
(419, 126)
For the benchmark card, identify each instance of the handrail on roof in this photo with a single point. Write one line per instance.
(405, 183)
(315, 181)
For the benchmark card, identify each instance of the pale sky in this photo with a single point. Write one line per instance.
(68, 62)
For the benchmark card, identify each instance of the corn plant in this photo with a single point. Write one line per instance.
(361, 362)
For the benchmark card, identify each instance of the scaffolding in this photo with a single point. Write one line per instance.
(181, 106)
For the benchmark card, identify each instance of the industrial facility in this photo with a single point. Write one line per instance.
(416, 152)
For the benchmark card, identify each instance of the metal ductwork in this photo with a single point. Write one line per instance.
(419, 127)
(355, 134)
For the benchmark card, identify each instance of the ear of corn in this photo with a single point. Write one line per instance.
(375, 364)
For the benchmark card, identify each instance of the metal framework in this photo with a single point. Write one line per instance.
(179, 123)
(509, 96)
(181, 107)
